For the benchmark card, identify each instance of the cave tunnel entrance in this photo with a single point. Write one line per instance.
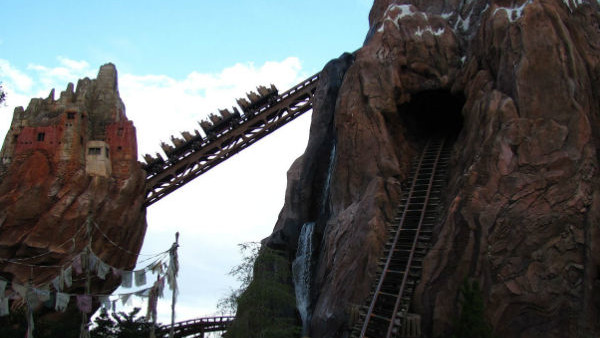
(434, 113)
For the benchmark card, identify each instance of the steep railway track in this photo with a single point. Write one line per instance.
(386, 313)
(196, 158)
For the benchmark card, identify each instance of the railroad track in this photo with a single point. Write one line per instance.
(196, 327)
(190, 159)
(410, 235)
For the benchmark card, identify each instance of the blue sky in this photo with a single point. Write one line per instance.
(149, 37)
(177, 62)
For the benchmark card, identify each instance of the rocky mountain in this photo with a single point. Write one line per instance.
(62, 160)
(517, 86)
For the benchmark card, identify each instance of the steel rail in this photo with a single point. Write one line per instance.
(195, 326)
(415, 240)
(412, 222)
(392, 247)
(253, 127)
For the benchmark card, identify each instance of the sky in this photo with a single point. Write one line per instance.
(177, 62)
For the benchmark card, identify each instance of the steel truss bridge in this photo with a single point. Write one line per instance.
(197, 156)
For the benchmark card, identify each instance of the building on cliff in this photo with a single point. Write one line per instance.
(69, 174)
(69, 133)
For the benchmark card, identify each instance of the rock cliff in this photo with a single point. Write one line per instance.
(63, 160)
(518, 84)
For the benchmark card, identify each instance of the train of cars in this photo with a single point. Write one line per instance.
(215, 125)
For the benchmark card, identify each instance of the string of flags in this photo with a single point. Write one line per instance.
(53, 296)
(89, 263)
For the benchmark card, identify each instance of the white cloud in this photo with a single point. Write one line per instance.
(14, 78)
(161, 106)
(58, 77)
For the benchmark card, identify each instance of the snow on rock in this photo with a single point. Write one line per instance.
(514, 13)
(463, 24)
(396, 12)
(446, 16)
(437, 32)
(572, 4)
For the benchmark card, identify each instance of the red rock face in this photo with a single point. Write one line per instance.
(47, 192)
(521, 209)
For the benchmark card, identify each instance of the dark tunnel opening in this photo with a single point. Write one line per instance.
(435, 113)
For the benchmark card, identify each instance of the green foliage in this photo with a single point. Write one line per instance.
(472, 322)
(243, 273)
(104, 326)
(121, 325)
(265, 303)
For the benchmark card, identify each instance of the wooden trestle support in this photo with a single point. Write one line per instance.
(199, 158)
(387, 312)
(197, 327)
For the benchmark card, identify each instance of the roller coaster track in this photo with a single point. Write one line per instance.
(198, 158)
(196, 327)
(409, 240)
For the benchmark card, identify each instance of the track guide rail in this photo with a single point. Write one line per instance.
(407, 246)
(204, 156)
(197, 327)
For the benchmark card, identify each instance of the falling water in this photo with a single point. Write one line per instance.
(325, 196)
(301, 270)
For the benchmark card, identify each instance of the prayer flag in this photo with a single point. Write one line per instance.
(103, 269)
(62, 300)
(4, 307)
(68, 277)
(126, 279)
(84, 303)
(77, 264)
(140, 277)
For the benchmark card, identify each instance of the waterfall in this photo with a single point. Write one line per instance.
(302, 271)
(326, 188)
(302, 265)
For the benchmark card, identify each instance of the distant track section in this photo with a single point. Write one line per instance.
(196, 327)
(196, 155)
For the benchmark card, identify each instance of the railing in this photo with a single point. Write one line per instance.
(208, 152)
(196, 327)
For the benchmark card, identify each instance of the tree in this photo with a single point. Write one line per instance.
(104, 327)
(121, 325)
(265, 303)
(116, 325)
(472, 322)
(243, 273)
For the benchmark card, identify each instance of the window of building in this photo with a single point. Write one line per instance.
(94, 151)
(106, 152)
(15, 138)
(119, 148)
(120, 132)
(71, 116)
(41, 136)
